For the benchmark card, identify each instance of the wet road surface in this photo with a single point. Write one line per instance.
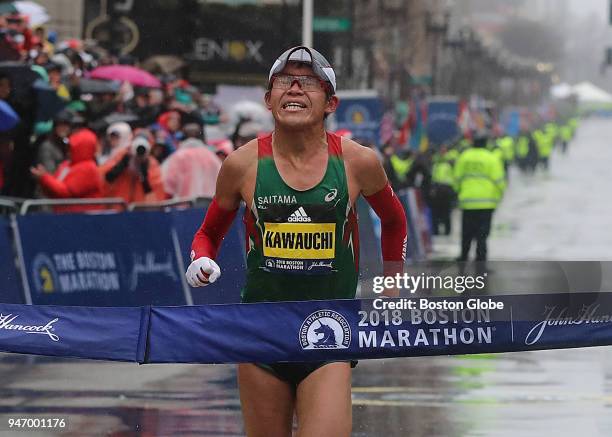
(564, 214)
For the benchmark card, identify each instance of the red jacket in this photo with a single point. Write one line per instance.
(77, 178)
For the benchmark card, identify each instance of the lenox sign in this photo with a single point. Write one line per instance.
(206, 49)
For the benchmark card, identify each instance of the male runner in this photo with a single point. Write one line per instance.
(300, 184)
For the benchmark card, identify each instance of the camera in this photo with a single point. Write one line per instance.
(140, 146)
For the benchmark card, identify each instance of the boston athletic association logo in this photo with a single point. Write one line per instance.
(325, 329)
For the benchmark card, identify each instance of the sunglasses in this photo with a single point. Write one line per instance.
(306, 83)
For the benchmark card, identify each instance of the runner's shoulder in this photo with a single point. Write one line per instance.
(365, 167)
(240, 160)
(359, 158)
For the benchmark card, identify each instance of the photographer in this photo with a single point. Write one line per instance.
(132, 173)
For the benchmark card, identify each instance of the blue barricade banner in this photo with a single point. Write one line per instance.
(370, 255)
(10, 283)
(124, 259)
(231, 257)
(313, 330)
(117, 334)
(512, 122)
(381, 328)
(361, 114)
(419, 234)
(442, 125)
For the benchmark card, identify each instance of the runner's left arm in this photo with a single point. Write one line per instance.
(378, 193)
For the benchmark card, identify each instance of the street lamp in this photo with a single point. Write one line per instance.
(436, 27)
(307, 13)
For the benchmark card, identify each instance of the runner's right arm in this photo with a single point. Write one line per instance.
(203, 270)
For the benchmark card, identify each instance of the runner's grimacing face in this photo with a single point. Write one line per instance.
(296, 108)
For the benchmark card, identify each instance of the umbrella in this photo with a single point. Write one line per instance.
(126, 73)
(48, 103)
(22, 77)
(8, 8)
(36, 13)
(94, 86)
(116, 117)
(250, 110)
(63, 61)
(8, 117)
(102, 123)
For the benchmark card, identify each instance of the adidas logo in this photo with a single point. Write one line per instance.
(299, 215)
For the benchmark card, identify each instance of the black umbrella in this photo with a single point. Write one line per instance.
(22, 77)
(48, 103)
(116, 117)
(93, 86)
(102, 123)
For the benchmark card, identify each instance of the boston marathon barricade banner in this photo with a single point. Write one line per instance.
(123, 259)
(117, 334)
(361, 113)
(442, 120)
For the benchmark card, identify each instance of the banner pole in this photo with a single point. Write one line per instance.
(21, 262)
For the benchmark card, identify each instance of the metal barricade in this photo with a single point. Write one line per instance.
(166, 205)
(30, 203)
(8, 206)
(163, 205)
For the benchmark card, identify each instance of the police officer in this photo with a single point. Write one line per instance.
(566, 133)
(442, 193)
(479, 182)
(401, 164)
(506, 145)
(545, 141)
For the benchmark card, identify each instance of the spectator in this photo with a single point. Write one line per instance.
(192, 170)
(6, 151)
(76, 178)
(170, 122)
(245, 131)
(223, 148)
(141, 106)
(55, 80)
(52, 151)
(118, 136)
(160, 149)
(132, 173)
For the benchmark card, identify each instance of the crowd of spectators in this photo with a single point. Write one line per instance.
(101, 138)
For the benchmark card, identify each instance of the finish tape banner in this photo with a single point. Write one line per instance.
(100, 333)
(313, 330)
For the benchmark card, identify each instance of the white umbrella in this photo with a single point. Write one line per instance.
(36, 13)
(253, 111)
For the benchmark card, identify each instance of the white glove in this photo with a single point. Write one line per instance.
(202, 271)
